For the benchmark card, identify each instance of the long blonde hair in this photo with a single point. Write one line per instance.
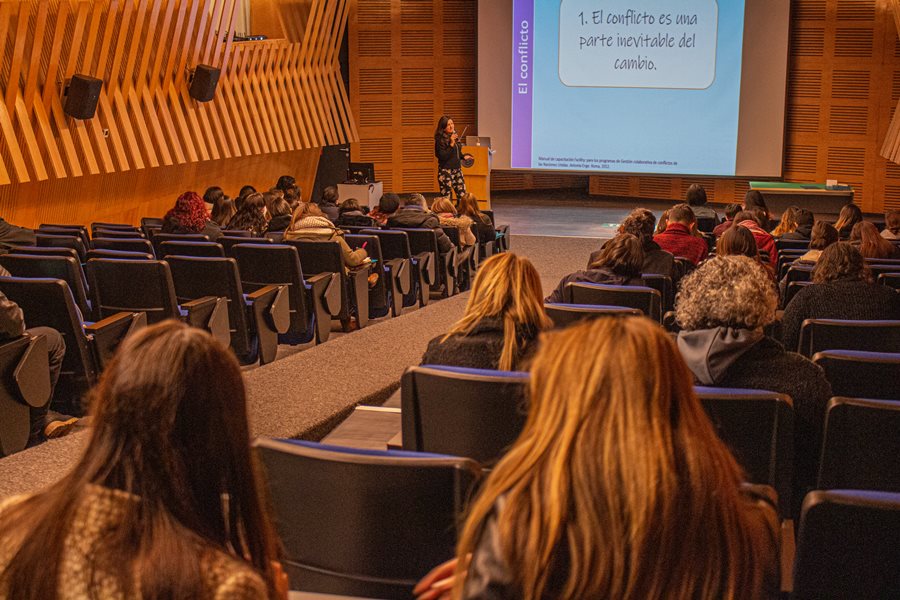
(508, 287)
(618, 486)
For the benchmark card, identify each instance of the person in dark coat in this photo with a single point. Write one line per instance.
(413, 214)
(619, 263)
(842, 289)
(11, 235)
(805, 221)
(281, 216)
(328, 204)
(641, 224)
(351, 214)
(500, 327)
(722, 309)
(189, 215)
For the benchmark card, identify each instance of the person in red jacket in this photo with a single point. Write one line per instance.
(680, 237)
(764, 240)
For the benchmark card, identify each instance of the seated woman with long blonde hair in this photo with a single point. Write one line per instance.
(618, 486)
(503, 318)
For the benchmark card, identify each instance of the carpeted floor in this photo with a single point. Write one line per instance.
(306, 394)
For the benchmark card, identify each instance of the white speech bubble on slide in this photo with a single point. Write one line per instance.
(646, 50)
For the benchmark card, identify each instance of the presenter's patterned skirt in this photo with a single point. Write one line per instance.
(451, 179)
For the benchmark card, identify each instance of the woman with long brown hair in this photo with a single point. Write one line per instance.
(788, 223)
(502, 321)
(165, 501)
(871, 244)
(468, 207)
(618, 486)
(849, 216)
(619, 262)
(252, 216)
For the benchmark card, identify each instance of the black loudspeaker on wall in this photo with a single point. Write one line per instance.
(82, 96)
(204, 82)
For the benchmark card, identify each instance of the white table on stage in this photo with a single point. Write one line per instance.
(368, 194)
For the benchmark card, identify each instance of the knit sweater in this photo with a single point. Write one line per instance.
(856, 300)
(678, 240)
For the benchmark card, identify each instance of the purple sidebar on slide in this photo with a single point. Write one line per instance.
(522, 78)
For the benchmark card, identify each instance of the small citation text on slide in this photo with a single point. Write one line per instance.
(638, 43)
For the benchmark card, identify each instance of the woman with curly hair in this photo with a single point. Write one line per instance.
(722, 309)
(252, 216)
(189, 215)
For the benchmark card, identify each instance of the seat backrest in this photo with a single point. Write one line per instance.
(270, 264)
(241, 233)
(51, 267)
(880, 268)
(125, 234)
(861, 449)
(77, 231)
(151, 222)
(45, 251)
(645, 299)
(102, 225)
(128, 245)
(120, 254)
(564, 315)
(847, 545)
(159, 238)
(207, 249)
(49, 303)
(663, 285)
(319, 257)
(793, 288)
(422, 240)
(858, 374)
(758, 428)
(228, 242)
(63, 241)
(890, 280)
(474, 413)
(799, 272)
(394, 244)
(783, 244)
(363, 523)
(706, 224)
(134, 286)
(15, 418)
(196, 277)
(817, 335)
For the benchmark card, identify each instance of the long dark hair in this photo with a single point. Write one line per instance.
(623, 255)
(170, 428)
(441, 126)
(251, 216)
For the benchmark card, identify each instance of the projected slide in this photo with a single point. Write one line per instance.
(639, 86)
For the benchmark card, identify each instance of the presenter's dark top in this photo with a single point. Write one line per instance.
(447, 155)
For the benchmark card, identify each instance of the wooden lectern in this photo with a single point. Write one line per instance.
(478, 176)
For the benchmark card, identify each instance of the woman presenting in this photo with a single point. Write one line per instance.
(448, 151)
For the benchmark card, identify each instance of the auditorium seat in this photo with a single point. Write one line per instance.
(326, 257)
(423, 270)
(857, 374)
(45, 251)
(120, 254)
(817, 335)
(502, 231)
(118, 234)
(645, 299)
(706, 224)
(782, 244)
(487, 243)
(228, 242)
(758, 428)
(241, 233)
(423, 241)
(386, 296)
(150, 289)
(24, 383)
(466, 260)
(159, 238)
(878, 269)
(861, 447)
(77, 230)
(663, 285)
(65, 268)
(564, 315)
(474, 413)
(207, 249)
(361, 522)
(102, 225)
(799, 272)
(847, 546)
(786, 259)
(255, 320)
(890, 280)
(63, 241)
(151, 222)
(792, 289)
(128, 245)
(261, 265)
(49, 303)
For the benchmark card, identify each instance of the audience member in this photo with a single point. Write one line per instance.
(788, 223)
(293, 197)
(503, 317)
(286, 183)
(281, 216)
(350, 214)
(308, 223)
(618, 486)
(213, 196)
(764, 240)
(387, 206)
(891, 225)
(730, 211)
(223, 211)
(252, 216)
(679, 237)
(640, 223)
(328, 203)
(413, 214)
(823, 235)
(12, 235)
(468, 207)
(804, 223)
(871, 244)
(164, 501)
(663, 222)
(849, 216)
(245, 191)
(443, 208)
(271, 197)
(842, 289)
(189, 215)
(696, 199)
(619, 263)
(754, 199)
(722, 309)
(738, 241)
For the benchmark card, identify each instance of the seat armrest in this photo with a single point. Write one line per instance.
(359, 290)
(274, 299)
(402, 274)
(210, 313)
(427, 267)
(320, 287)
(32, 373)
(107, 334)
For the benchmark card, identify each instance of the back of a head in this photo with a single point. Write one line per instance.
(414, 200)
(623, 255)
(389, 204)
(640, 223)
(755, 199)
(330, 195)
(286, 182)
(871, 244)
(293, 197)
(726, 291)
(189, 213)
(223, 211)
(468, 205)
(731, 210)
(213, 195)
(849, 216)
(892, 221)
(304, 210)
(349, 205)
(611, 401)
(788, 222)
(246, 191)
(840, 262)
(443, 205)
(281, 208)
(805, 218)
(696, 195)
(737, 241)
(823, 234)
(746, 215)
(682, 213)
(169, 427)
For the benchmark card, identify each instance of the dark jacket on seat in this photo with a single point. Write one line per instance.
(279, 223)
(480, 349)
(416, 217)
(603, 275)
